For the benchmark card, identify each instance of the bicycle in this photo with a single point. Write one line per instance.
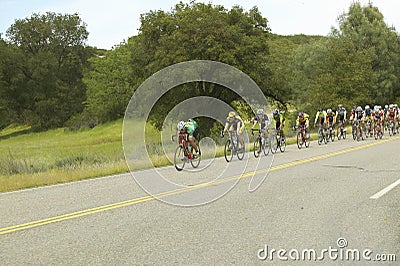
(261, 143)
(390, 126)
(185, 153)
(322, 134)
(358, 132)
(378, 133)
(231, 147)
(302, 137)
(341, 131)
(368, 129)
(331, 133)
(278, 141)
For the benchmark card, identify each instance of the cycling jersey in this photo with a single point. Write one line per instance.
(191, 127)
(232, 125)
(391, 114)
(330, 118)
(359, 115)
(279, 119)
(263, 121)
(303, 121)
(321, 116)
(341, 114)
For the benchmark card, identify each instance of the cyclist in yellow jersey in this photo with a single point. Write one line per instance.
(234, 122)
(320, 117)
(303, 119)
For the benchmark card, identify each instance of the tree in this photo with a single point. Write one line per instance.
(202, 31)
(364, 26)
(46, 57)
(109, 84)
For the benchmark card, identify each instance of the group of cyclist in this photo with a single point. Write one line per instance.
(325, 119)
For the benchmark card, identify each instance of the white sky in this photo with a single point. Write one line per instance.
(111, 22)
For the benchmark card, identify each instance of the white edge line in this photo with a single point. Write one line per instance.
(385, 190)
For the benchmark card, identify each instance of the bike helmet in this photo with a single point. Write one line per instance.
(180, 125)
(301, 114)
(232, 114)
(391, 106)
(359, 109)
(340, 105)
(395, 105)
(275, 112)
(319, 109)
(354, 107)
(260, 111)
(386, 106)
(367, 107)
(329, 111)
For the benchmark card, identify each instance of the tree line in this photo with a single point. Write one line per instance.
(50, 77)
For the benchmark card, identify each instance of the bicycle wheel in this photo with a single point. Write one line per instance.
(282, 145)
(266, 146)
(274, 144)
(228, 153)
(257, 147)
(179, 158)
(299, 140)
(359, 133)
(240, 152)
(196, 161)
(306, 141)
(320, 136)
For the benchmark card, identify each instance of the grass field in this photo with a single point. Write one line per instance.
(30, 159)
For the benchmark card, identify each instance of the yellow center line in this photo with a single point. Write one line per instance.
(121, 204)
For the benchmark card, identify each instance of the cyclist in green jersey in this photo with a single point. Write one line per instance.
(320, 117)
(192, 129)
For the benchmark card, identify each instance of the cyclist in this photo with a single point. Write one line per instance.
(192, 129)
(359, 118)
(234, 122)
(391, 116)
(341, 116)
(368, 118)
(320, 117)
(353, 113)
(264, 122)
(303, 120)
(279, 121)
(377, 116)
(385, 112)
(330, 118)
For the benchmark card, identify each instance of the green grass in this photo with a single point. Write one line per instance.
(30, 159)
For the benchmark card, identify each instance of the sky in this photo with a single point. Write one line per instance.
(111, 22)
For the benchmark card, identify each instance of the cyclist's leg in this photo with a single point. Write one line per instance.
(240, 135)
(192, 141)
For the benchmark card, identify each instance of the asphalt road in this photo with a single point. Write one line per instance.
(339, 200)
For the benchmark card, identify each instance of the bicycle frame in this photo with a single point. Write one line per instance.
(183, 141)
